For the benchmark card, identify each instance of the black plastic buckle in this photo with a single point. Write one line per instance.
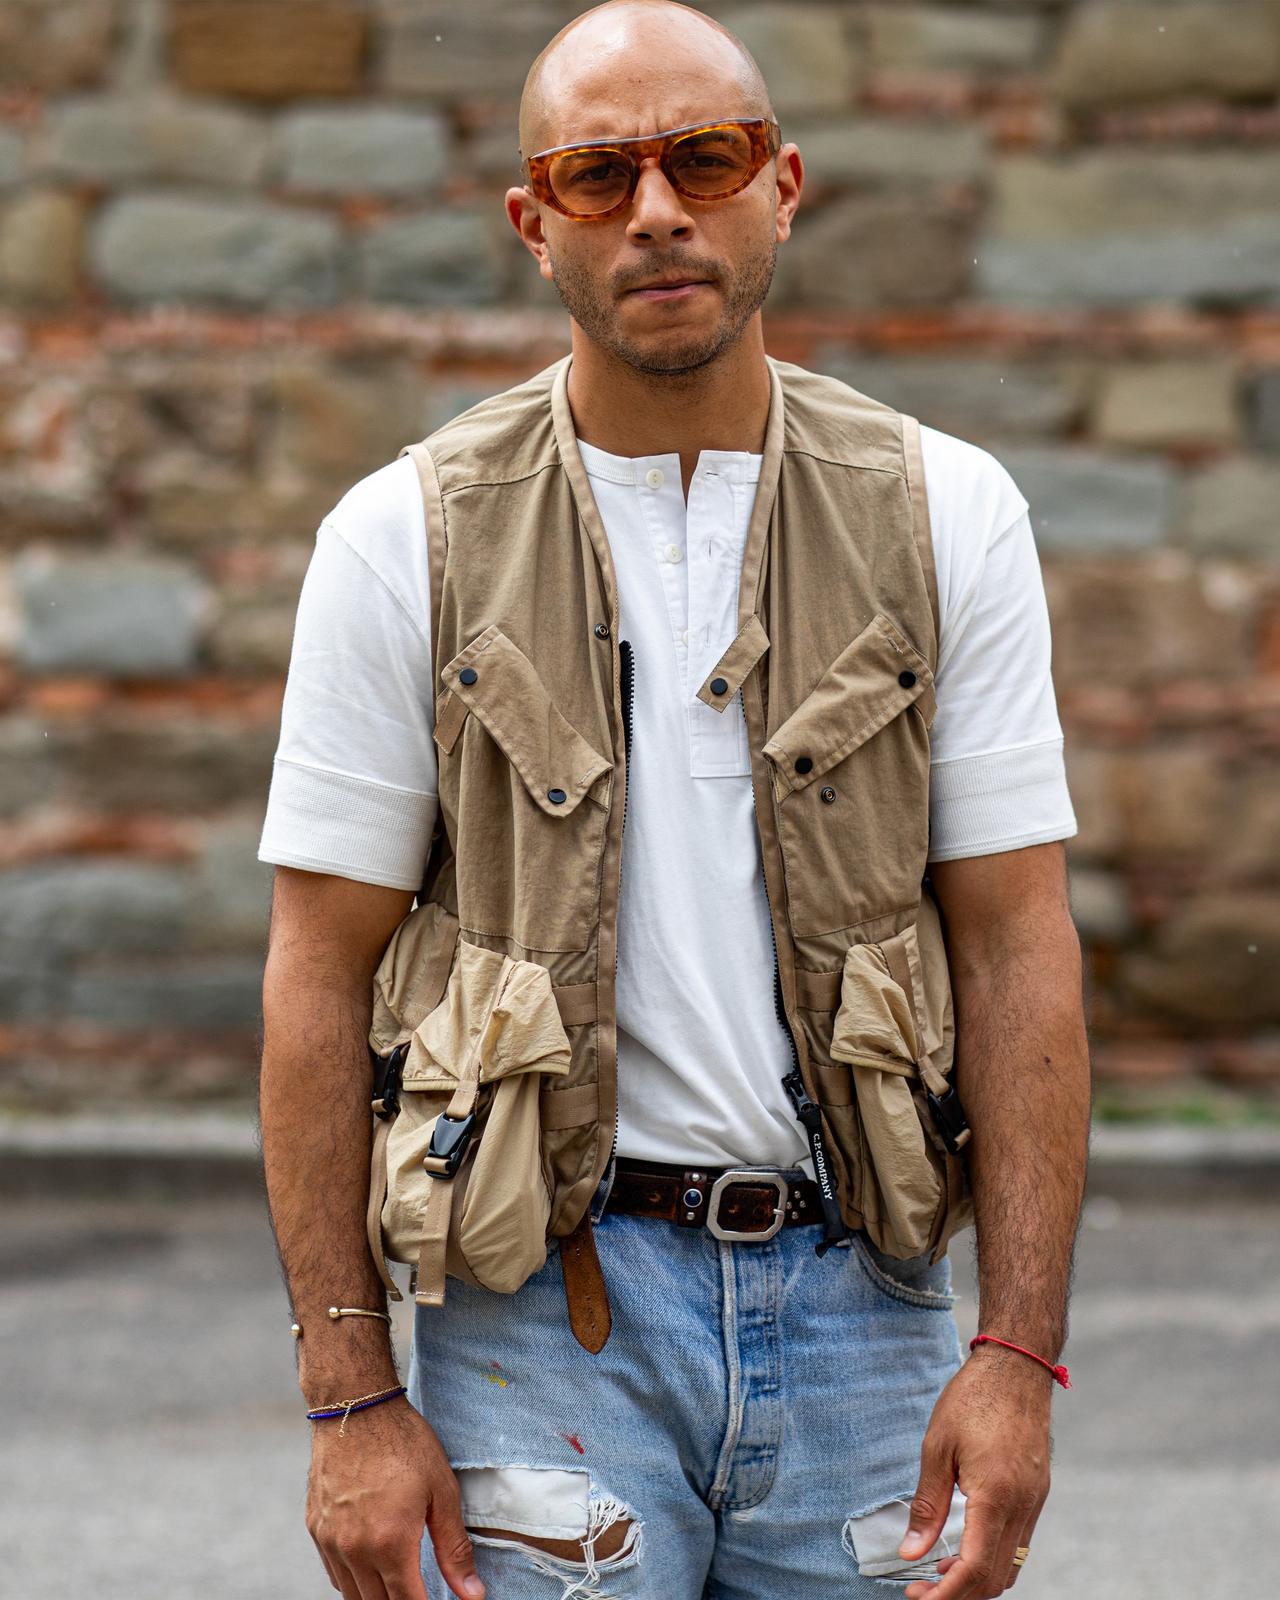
(949, 1119)
(388, 1086)
(449, 1140)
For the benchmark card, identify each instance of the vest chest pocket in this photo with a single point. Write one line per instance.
(851, 782)
(528, 795)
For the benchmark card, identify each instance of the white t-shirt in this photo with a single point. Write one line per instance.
(701, 1054)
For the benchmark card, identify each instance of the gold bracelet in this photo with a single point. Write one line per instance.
(342, 1311)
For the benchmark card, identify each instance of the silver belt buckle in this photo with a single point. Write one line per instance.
(755, 1175)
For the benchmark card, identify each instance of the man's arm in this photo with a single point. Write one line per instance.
(373, 1488)
(1022, 1071)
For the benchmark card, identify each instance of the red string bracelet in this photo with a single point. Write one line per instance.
(1060, 1373)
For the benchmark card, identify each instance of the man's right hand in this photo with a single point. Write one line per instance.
(371, 1490)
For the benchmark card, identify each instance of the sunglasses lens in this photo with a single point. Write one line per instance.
(588, 181)
(714, 161)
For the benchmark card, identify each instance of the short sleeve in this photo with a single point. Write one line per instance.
(353, 785)
(997, 778)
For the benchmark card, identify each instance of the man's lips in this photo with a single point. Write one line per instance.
(668, 291)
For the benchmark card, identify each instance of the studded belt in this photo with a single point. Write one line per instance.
(748, 1203)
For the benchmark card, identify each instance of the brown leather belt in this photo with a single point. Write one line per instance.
(745, 1203)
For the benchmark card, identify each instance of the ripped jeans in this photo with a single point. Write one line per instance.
(750, 1431)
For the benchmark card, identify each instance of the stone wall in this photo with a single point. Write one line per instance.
(248, 248)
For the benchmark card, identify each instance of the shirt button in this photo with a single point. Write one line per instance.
(655, 477)
(673, 552)
(684, 637)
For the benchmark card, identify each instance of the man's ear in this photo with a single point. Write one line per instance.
(526, 218)
(790, 181)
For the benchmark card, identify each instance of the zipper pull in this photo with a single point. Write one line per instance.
(810, 1117)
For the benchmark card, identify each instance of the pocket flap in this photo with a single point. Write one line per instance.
(498, 1017)
(869, 683)
(504, 690)
(747, 647)
(875, 1025)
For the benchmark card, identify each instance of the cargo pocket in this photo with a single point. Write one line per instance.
(466, 1195)
(901, 1185)
(850, 781)
(529, 796)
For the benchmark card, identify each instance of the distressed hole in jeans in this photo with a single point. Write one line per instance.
(872, 1538)
(556, 1518)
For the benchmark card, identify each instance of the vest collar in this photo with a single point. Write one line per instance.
(761, 514)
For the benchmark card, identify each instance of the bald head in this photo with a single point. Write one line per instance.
(617, 67)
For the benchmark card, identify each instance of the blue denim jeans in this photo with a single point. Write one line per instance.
(753, 1422)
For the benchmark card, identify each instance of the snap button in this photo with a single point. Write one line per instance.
(693, 1197)
(468, 675)
(804, 763)
(602, 630)
(828, 794)
(655, 477)
(906, 679)
(718, 685)
(556, 796)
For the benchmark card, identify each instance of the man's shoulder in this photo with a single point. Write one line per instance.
(504, 437)
(964, 475)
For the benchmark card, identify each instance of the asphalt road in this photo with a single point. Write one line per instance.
(153, 1446)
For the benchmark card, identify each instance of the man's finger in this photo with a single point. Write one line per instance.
(931, 1504)
(452, 1546)
(973, 1573)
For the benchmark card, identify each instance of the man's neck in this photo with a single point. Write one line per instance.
(722, 406)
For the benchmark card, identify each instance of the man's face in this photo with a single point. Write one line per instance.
(635, 76)
(724, 251)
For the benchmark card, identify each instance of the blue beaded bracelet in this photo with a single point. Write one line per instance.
(344, 1408)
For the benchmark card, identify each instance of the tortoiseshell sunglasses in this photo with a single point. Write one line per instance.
(703, 160)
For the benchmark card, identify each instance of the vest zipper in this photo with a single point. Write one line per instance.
(627, 680)
(808, 1114)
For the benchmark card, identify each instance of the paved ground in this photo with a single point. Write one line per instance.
(153, 1447)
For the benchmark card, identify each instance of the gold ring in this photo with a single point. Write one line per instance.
(1020, 1554)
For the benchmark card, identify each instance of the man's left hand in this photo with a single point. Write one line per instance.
(990, 1433)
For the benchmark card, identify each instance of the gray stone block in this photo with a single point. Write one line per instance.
(439, 258)
(242, 253)
(876, 250)
(13, 156)
(1114, 52)
(1264, 411)
(360, 150)
(1086, 502)
(806, 53)
(139, 137)
(1100, 906)
(953, 39)
(195, 995)
(1115, 228)
(889, 151)
(1162, 404)
(972, 397)
(122, 616)
(229, 892)
(450, 52)
(66, 910)
(1233, 509)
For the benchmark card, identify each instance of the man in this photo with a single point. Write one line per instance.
(762, 1418)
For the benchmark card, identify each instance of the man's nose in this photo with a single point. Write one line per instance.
(657, 210)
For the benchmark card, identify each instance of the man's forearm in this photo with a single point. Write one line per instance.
(314, 1109)
(1023, 1072)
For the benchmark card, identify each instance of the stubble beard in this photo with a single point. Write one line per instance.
(591, 309)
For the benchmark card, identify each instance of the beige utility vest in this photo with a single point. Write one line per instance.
(835, 655)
